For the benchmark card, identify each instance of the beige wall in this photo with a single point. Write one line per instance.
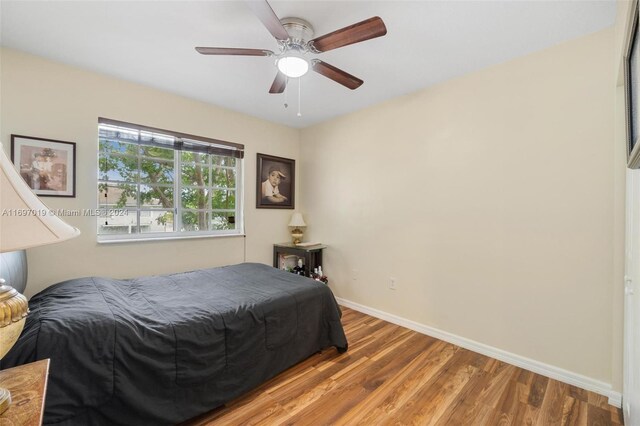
(490, 198)
(46, 99)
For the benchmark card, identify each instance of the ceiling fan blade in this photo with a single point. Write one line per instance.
(365, 30)
(279, 83)
(269, 19)
(336, 74)
(233, 51)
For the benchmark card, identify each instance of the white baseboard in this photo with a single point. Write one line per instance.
(560, 374)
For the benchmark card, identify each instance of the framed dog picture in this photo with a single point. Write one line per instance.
(48, 166)
(276, 182)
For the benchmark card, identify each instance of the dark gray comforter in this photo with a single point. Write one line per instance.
(160, 350)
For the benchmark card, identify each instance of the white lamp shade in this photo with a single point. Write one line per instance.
(24, 220)
(297, 220)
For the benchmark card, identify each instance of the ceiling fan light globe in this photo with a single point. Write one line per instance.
(293, 66)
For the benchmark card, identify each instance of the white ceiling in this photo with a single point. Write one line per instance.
(152, 42)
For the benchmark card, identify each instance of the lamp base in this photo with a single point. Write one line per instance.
(5, 399)
(296, 234)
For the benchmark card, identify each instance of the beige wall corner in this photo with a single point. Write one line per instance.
(490, 200)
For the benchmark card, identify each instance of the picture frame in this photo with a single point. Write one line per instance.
(275, 182)
(48, 166)
(632, 90)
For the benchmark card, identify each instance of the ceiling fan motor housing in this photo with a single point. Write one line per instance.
(299, 30)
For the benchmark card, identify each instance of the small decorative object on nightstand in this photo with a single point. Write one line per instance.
(300, 269)
(319, 276)
(296, 223)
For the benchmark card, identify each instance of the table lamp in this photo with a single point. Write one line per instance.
(296, 223)
(25, 222)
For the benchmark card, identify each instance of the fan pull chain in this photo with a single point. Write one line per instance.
(286, 85)
(299, 90)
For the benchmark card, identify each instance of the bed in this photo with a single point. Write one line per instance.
(163, 349)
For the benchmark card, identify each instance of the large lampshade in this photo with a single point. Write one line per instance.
(24, 222)
(297, 220)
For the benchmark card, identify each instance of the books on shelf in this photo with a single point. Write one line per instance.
(307, 244)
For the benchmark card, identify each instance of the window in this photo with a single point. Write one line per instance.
(155, 183)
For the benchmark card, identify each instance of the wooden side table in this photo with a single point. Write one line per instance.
(28, 386)
(311, 255)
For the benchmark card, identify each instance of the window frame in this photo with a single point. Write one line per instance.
(214, 147)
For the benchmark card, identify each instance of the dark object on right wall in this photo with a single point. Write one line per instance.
(632, 93)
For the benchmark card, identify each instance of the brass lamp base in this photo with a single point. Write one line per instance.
(296, 234)
(13, 311)
(5, 399)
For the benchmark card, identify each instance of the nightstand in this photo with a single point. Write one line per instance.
(311, 255)
(28, 386)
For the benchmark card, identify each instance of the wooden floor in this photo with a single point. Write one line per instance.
(392, 375)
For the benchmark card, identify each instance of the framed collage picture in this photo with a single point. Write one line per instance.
(48, 166)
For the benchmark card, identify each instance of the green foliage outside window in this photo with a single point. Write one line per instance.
(139, 175)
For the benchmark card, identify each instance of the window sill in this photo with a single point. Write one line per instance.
(138, 239)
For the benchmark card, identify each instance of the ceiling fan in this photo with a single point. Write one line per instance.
(294, 37)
